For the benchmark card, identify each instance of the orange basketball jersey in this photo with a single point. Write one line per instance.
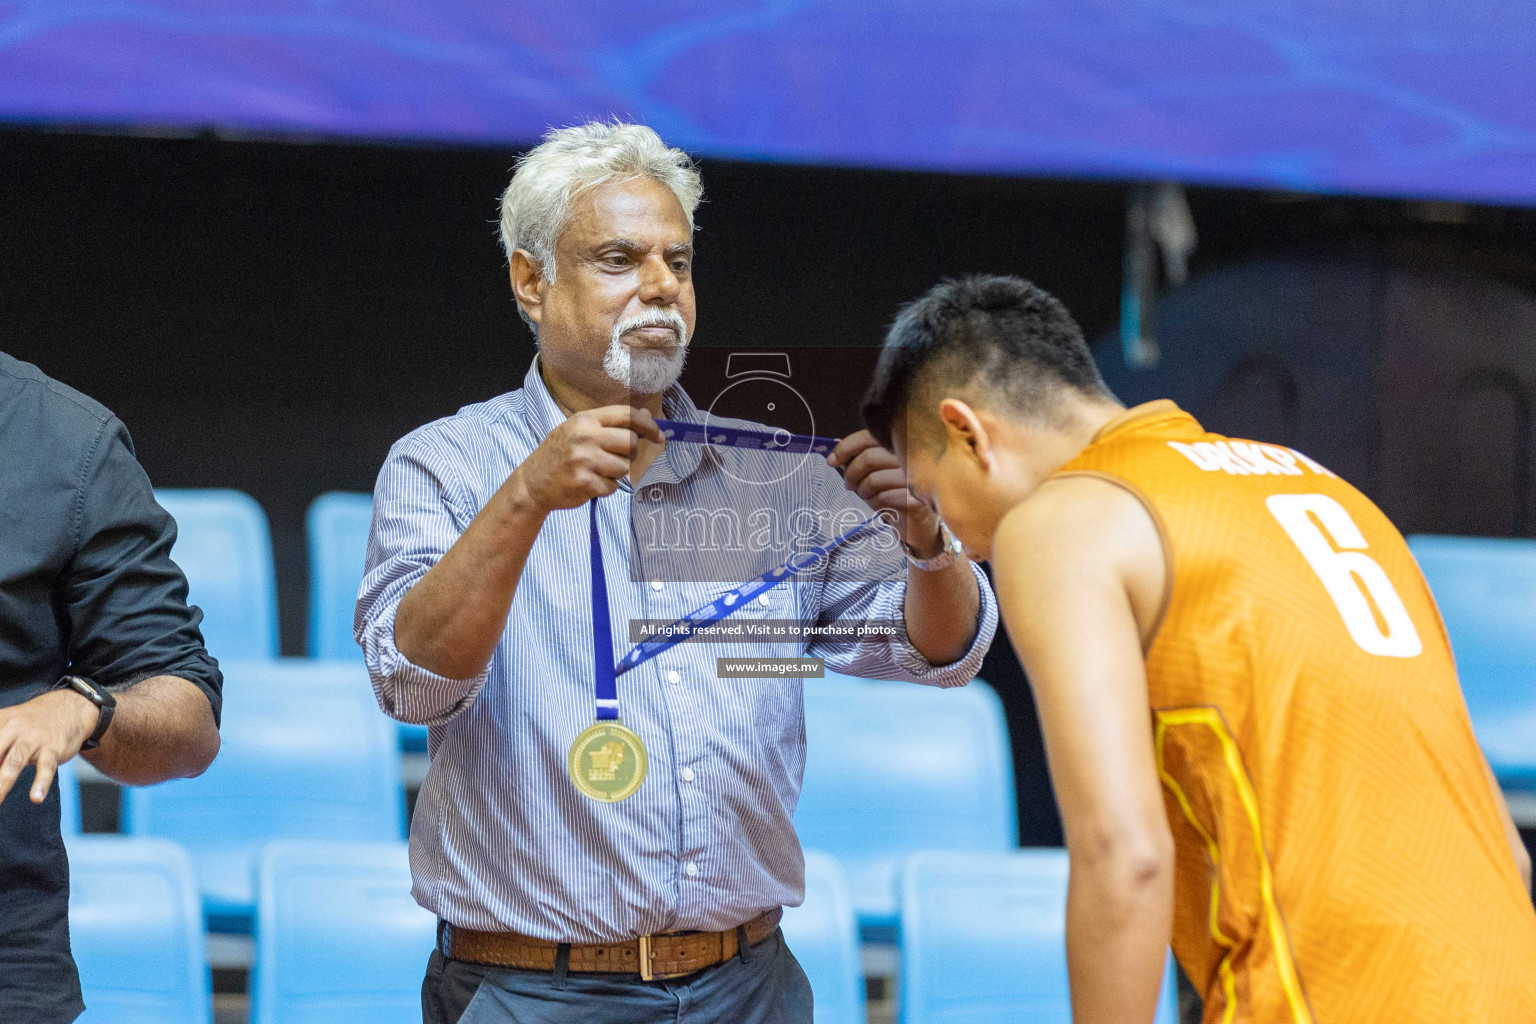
(1340, 852)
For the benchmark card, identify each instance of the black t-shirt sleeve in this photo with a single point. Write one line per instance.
(125, 600)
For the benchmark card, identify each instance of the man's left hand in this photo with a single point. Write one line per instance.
(46, 731)
(875, 474)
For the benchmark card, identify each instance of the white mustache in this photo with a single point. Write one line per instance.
(647, 370)
(655, 316)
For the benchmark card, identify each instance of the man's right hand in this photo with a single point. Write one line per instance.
(46, 731)
(451, 620)
(585, 457)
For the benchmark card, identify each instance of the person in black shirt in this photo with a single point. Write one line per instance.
(98, 650)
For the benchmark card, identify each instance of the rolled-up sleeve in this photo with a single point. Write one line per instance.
(419, 511)
(867, 580)
(125, 599)
(894, 656)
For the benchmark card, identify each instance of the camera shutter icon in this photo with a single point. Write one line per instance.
(758, 391)
(744, 364)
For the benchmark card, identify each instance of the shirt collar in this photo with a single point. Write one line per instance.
(677, 462)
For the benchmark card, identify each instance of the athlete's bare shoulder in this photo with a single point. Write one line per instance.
(1085, 528)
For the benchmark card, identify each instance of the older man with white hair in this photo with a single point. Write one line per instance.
(586, 864)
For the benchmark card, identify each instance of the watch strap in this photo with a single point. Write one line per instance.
(949, 552)
(106, 706)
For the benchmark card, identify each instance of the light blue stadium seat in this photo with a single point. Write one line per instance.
(339, 940)
(1486, 590)
(337, 525)
(894, 767)
(306, 755)
(823, 934)
(983, 940)
(225, 549)
(136, 928)
(68, 783)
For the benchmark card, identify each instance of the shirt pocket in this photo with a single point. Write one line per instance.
(757, 627)
(777, 602)
(777, 727)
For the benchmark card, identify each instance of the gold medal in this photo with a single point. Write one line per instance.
(607, 762)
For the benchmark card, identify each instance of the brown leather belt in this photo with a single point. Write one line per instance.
(653, 957)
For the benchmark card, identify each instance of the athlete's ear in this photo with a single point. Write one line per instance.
(965, 432)
(528, 284)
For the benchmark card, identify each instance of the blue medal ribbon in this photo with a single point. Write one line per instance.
(606, 673)
(732, 601)
(606, 680)
(740, 437)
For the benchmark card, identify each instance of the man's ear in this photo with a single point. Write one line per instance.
(528, 284)
(966, 432)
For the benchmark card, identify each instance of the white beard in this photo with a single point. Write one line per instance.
(647, 372)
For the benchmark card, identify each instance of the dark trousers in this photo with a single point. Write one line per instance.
(765, 987)
(38, 983)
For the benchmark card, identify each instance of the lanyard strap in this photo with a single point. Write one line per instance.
(734, 600)
(605, 673)
(740, 437)
(606, 681)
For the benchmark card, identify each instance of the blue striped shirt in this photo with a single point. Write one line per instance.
(501, 840)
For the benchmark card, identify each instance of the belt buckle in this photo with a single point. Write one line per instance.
(645, 959)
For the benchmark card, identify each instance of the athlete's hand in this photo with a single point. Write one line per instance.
(585, 457)
(875, 474)
(46, 731)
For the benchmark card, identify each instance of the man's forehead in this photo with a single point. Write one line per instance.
(640, 212)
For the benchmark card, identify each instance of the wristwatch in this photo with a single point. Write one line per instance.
(106, 706)
(949, 553)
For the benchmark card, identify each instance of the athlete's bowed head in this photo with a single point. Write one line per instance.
(1251, 714)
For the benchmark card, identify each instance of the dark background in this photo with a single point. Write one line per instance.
(272, 316)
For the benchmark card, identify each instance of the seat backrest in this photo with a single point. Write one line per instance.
(339, 940)
(983, 940)
(337, 527)
(1485, 588)
(224, 547)
(306, 755)
(68, 782)
(136, 929)
(338, 524)
(823, 934)
(894, 767)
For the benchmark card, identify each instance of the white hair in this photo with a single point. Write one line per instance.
(537, 203)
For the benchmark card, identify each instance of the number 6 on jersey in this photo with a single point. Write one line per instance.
(1352, 578)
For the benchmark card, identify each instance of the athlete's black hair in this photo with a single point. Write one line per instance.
(1000, 338)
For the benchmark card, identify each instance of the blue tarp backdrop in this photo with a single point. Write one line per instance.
(1391, 97)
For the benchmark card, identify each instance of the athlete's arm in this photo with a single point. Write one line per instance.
(1079, 575)
(1516, 844)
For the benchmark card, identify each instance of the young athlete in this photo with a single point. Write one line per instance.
(1252, 717)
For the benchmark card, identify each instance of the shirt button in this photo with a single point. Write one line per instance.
(692, 869)
(687, 774)
(674, 677)
(655, 584)
(763, 600)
